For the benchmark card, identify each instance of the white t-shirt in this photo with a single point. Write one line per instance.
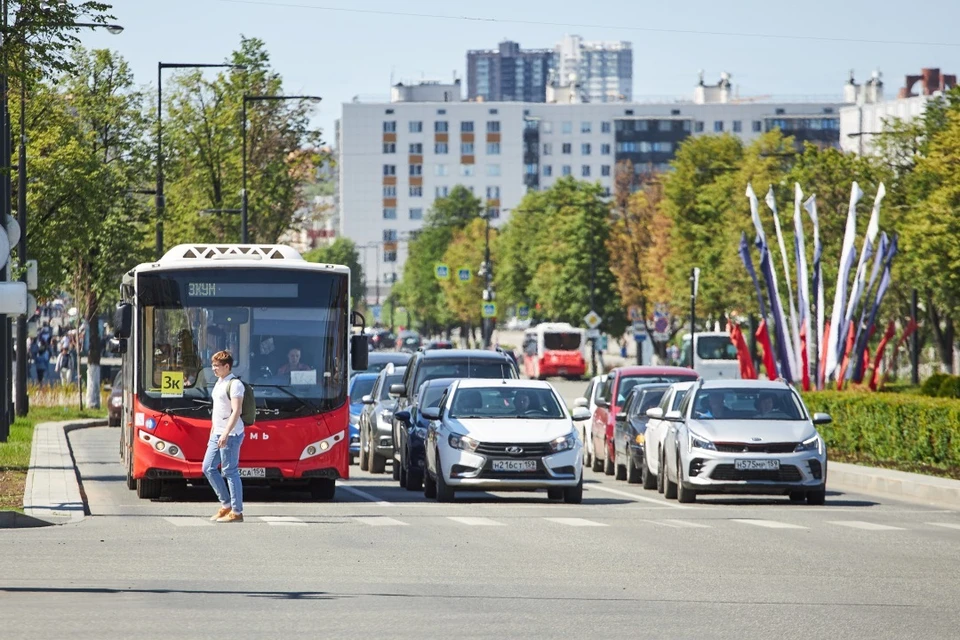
(221, 405)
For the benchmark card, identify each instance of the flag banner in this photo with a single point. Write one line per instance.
(884, 282)
(747, 371)
(748, 263)
(823, 357)
(878, 359)
(811, 206)
(831, 352)
(862, 339)
(763, 337)
(791, 332)
(770, 279)
(845, 359)
(803, 284)
(907, 332)
(866, 252)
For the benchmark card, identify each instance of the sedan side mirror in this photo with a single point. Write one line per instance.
(431, 413)
(655, 412)
(673, 416)
(368, 399)
(580, 402)
(621, 417)
(398, 390)
(580, 414)
(822, 418)
(402, 416)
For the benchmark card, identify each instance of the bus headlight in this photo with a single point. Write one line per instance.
(321, 446)
(161, 446)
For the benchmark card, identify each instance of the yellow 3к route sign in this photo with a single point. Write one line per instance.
(171, 384)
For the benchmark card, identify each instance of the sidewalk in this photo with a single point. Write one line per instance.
(899, 485)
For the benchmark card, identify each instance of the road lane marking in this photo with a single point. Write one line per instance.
(576, 522)
(866, 526)
(948, 525)
(662, 503)
(189, 522)
(382, 522)
(366, 496)
(283, 521)
(769, 524)
(477, 522)
(680, 524)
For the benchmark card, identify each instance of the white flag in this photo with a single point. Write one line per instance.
(792, 333)
(811, 206)
(866, 252)
(803, 279)
(840, 296)
(755, 213)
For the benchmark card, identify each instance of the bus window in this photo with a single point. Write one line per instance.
(561, 341)
(715, 348)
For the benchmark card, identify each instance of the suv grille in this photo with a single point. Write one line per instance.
(530, 450)
(786, 473)
(743, 447)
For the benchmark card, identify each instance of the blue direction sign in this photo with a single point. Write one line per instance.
(489, 310)
(523, 312)
(442, 271)
(377, 311)
(464, 275)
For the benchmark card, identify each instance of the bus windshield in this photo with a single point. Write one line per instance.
(286, 330)
(555, 341)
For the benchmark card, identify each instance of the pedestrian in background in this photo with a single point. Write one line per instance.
(226, 436)
(64, 366)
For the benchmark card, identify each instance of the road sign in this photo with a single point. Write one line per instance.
(377, 311)
(661, 327)
(442, 271)
(634, 314)
(13, 298)
(464, 275)
(489, 309)
(593, 334)
(523, 312)
(4, 248)
(592, 319)
(639, 332)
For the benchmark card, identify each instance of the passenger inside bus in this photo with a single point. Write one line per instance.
(293, 363)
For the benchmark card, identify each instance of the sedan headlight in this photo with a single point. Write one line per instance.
(116, 401)
(564, 443)
(699, 442)
(811, 444)
(466, 443)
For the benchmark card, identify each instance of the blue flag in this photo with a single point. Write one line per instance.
(748, 263)
(881, 292)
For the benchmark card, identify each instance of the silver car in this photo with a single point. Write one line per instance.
(376, 422)
(744, 436)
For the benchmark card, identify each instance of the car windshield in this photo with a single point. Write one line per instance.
(361, 387)
(557, 341)
(629, 382)
(505, 402)
(477, 368)
(650, 399)
(432, 395)
(747, 404)
(396, 378)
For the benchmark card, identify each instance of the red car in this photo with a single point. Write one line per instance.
(612, 397)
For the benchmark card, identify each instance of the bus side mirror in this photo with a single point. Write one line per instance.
(118, 345)
(123, 320)
(359, 353)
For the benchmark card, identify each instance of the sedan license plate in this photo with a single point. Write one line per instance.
(514, 465)
(253, 472)
(757, 465)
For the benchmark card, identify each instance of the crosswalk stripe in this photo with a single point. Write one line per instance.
(576, 522)
(866, 526)
(382, 522)
(189, 522)
(283, 521)
(769, 524)
(948, 525)
(682, 524)
(477, 522)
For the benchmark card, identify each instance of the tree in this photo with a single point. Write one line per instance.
(466, 251)
(343, 251)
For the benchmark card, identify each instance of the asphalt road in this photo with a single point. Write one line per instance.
(383, 562)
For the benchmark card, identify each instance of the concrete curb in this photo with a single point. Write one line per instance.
(53, 494)
(899, 485)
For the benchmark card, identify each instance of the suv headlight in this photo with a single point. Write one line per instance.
(811, 444)
(466, 443)
(564, 443)
(699, 442)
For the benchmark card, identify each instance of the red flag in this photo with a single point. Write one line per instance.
(907, 332)
(821, 375)
(747, 371)
(803, 356)
(891, 330)
(764, 337)
(842, 376)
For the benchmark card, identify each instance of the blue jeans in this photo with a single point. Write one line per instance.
(228, 459)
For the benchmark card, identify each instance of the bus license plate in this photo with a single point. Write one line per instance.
(253, 472)
(757, 465)
(514, 465)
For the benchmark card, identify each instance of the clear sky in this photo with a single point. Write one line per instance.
(339, 49)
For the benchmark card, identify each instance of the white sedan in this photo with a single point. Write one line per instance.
(503, 435)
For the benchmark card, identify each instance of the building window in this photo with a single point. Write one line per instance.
(585, 127)
(416, 192)
(567, 148)
(389, 147)
(641, 125)
(675, 112)
(389, 169)
(605, 170)
(547, 171)
(547, 148)
(440, 170)
(493, 148)
(416, 213)
(466, 170)
(442, 112)
(493, 112)
(389, 126)
(466, 148)
(441, 192)
(416, 148)
(389, 112)
(665, 125)
(566, 170)
(493, 193)
(604, 127)
(529, 169)
(389, 256)
(547, 127)
(780, 112)
(828, 109)
(567, 127)
(416, 169)
(686, 126)
(718, 126)
(493, 170)
(493, 126)
(737, 126)
(628, 112)
(662, 147)
(416, 126)
(466, 127)
(389, 191)
(441, 148)
(389, 235)
(389, 213)
(605, 149)
(585, 171)
(440, 126)
(585, 149)
(757, 126)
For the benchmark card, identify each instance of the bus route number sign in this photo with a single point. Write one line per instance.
(171, 384)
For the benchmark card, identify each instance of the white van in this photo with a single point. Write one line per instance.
(715, 357)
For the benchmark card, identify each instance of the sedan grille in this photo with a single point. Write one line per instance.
(744, 447)
(528, 450)
(728, 472)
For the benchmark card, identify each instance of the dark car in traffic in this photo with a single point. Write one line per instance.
(378, 361)
(115, 402)
(630, 433)
(410, 433)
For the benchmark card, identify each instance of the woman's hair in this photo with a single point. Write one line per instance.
(223, 357)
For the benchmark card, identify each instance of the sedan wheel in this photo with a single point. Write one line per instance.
(648, 479)
(597, 464)
(684, 495)
(364, 456)
(429, 486)
(445, 493)
(798, 496)
(609, 465)
(817, 496)
(660, 479)
(669, 486)
(555, 493)
(633, 474)
(395, 469)
(402, 471)
(574, 495)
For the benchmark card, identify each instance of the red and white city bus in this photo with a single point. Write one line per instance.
(554, 349)
(265, 304)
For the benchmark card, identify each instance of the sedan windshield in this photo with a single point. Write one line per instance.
(506, 402)
(629, 382)
(361, 387)
(747, 404)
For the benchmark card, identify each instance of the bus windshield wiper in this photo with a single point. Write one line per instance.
(199, 403)
(305, 403)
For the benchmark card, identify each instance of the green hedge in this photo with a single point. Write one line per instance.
(941, 385)
(891, 427)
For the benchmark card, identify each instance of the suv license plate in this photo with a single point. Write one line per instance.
(253, 472)
(514, 465)
(757, 465)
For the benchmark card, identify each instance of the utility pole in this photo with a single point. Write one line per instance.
(694, 281)
(488, 295)
(5, 209)
(914, 341)
(593, 341)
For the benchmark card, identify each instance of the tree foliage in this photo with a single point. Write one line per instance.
(342, 251)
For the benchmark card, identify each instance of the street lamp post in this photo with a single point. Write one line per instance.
(161, 202)
(487, 272)
(244, 206)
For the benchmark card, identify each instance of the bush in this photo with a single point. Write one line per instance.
(891, 427)
(931, 386)
(950, 387)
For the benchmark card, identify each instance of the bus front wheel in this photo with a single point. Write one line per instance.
(148, 488)
(323, 488)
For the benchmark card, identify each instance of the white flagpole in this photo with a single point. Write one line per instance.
(866, 252)
(792, 332)
(840, 295)
(803, 278)
(811, 206)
